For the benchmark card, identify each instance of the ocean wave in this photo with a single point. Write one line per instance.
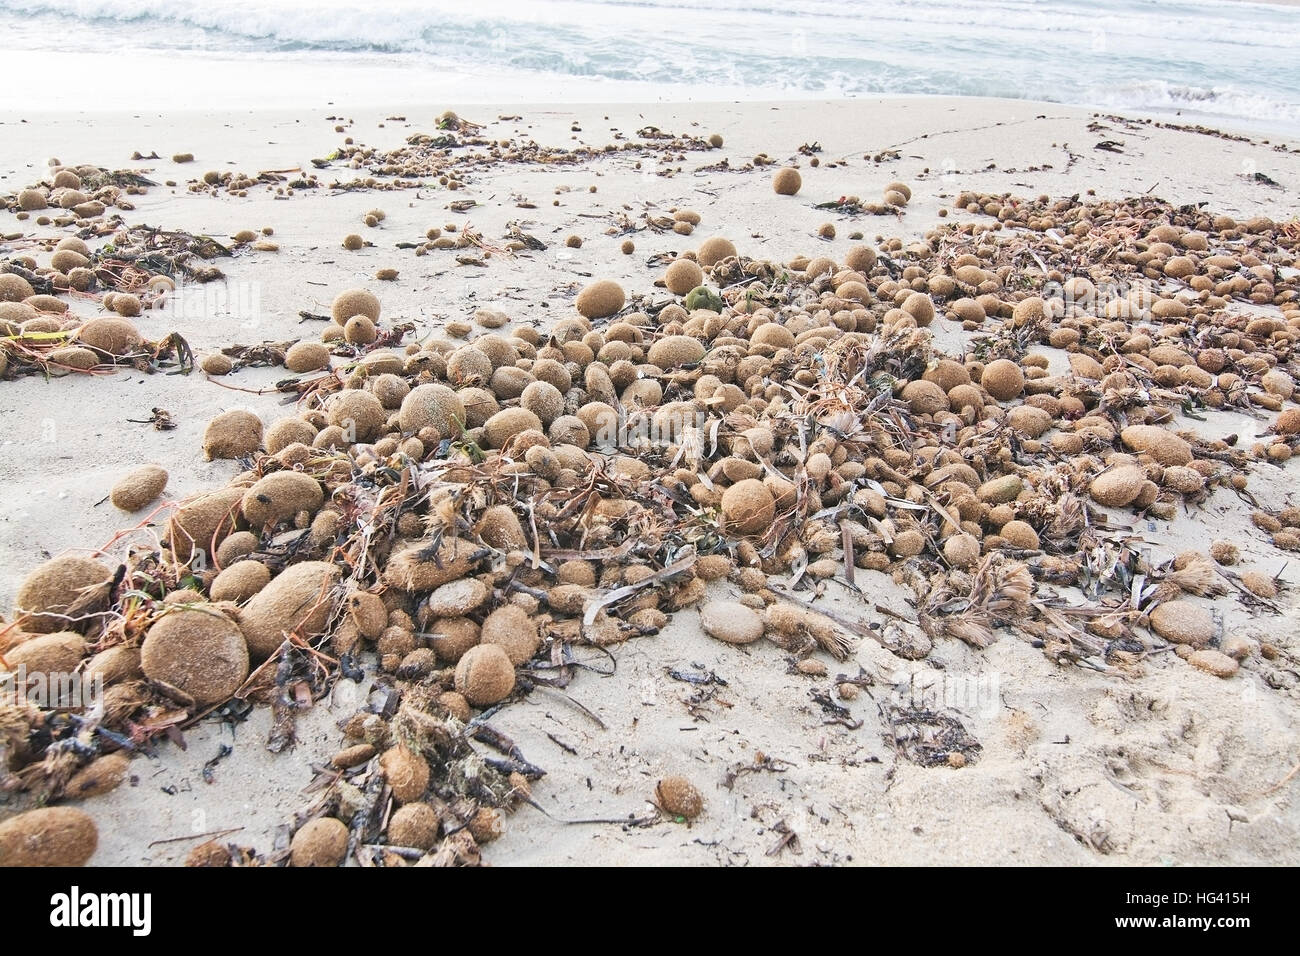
(1160, 96)
(1231, 59)
(396, 26)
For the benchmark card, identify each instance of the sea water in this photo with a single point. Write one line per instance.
(1208, 60)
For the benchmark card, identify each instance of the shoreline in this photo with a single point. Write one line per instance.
(213, 81)
(922, 123)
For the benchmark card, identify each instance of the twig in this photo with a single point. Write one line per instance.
(1284, 781)
(196, 836)
(593, 608)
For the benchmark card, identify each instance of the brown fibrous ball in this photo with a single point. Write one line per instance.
(485, 675)
(748, 507)
(786, 181)
(683, 276)
(678, 796)
(319, 842)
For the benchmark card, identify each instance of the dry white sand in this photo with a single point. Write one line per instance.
(1173, 767)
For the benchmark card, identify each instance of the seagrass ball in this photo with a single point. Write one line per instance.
(512, 629)
(48, 589)
(1003, 379)
(861, 259)
(920, 307)
(786, 181)
(48, 836)
(355, 302)
(484, 675)
(100, 776)
(414, 825)
(432, 405)
(307, 357)
(14, 288)
(600, 299)
(198, 650)
(359, 330)
(217, 364)
(232, 434)
(139, 487)
(114, 336)
(714, 250)
(678, 796)
(683, 276)
(747, 507)
(407, 773)
(674, 351)
(319, 842)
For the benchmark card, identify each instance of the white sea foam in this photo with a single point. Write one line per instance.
(1229, 60)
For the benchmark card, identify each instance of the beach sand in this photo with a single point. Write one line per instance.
(1171, 767)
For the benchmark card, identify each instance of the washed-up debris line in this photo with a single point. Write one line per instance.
(459, 522)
